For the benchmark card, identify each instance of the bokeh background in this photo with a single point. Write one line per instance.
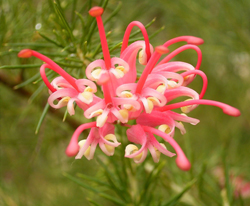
(32, 166)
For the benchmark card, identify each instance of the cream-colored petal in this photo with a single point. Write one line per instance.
(164, 128)
(131, 149)
(172, 84)
(161, 88)
(96, 113)
(88, 89)
(96, 74)
(101, 119)
(124, 114)
(158, 153)
(87, 152)
(142, 57)
(154, 100)
(186, 109)
(86, 97)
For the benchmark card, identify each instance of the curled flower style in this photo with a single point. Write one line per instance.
(123, 98)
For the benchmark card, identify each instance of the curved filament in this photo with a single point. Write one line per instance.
(26, 53)
(203, 76)
(181, 49)
(227, 109)
(144, 33)
(189, 39)
(44, 77)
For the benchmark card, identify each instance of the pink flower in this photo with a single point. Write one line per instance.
(103, 136)
(125, 98)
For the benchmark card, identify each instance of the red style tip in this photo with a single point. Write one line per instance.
(231, 111)
(183, 163)
(25, 53)
(161, 49)
(96, 11)
(195, 40)
(72, 150)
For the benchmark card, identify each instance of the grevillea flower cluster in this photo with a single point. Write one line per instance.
(147, 100)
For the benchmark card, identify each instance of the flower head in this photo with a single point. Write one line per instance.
(124, 98)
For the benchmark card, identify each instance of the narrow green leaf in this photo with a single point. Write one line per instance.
(50, 74)
(149, 199)
(4, 53)
(85, 47)
(50, 40)
(83, 25)
(91, 30)
(241, 201)
(65, 115)
(104, 195)
(73, 59)
(211, 189)
(156, 32)
(28, 81)
(227, 180)
(68, 65)
(113, 199)
(45, 110)
(114, 181)
(118, 45)
(150, 37)
(98, 49)
(36, 93)
(90, 22)
(59, 37)
(200, 178)
(177, 197)
(3, 26)
(104, 4)
(80, 183)
(44, 53)
(89, 4)
(154, 174)
(93, 202)
(61, 16)
(73, 13)
(108, 172)
(117, 9)
(42, 44)
(23, 66)
(93, 179)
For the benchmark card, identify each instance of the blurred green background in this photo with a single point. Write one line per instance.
(32, 165)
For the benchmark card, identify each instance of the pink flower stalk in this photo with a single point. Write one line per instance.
(124, 98)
